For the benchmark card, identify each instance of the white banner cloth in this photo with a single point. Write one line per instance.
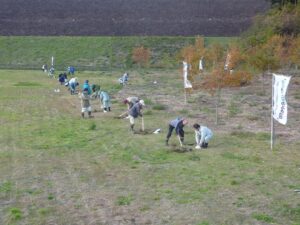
(279, 104)
(187, 83)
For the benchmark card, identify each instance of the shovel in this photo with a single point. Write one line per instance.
(143, 125)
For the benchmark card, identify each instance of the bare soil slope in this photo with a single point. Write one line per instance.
(130, 17)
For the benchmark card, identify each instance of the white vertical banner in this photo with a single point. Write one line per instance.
(227, 62)
(52, 61)
(201, 68)
(187, 83)
(279, 104)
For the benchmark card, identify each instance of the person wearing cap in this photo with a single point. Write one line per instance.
(130, 101)
(87, 86)
(105, 101)
(178, 125)
(202, 136)
(134, 112)
(85, 103)
(72, 85)
(95, 90)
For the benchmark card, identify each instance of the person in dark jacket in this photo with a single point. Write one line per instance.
(178, 125)
(134, 112)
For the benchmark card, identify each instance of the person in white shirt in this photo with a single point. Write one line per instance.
(202, 136)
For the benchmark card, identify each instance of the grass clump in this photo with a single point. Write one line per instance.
(92, 126)
(159, 107)
(6, 187)
(15, 213)
(27, 84)
(263, 217)
(124, 200)
(233, 109)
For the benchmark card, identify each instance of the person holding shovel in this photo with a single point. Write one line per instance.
(178, 125)
(134, 112)
(130, 101)
(202, 136)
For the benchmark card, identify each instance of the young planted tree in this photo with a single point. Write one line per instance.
(141, 56)
(264, 58)
(219, 79)
(295, 52)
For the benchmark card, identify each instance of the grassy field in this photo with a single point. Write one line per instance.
(91, 53)
(56, 168)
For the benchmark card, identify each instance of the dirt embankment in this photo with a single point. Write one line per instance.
(132, 17)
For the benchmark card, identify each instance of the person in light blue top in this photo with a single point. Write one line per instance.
(124, 79)
(105, 101)
(202, 136)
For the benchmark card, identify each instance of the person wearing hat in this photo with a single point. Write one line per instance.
(95, 90)
(85, 103)
(130, 101)
(202, 136)
(178, 125)
(134, 112)
(87, 86)
(105, 101)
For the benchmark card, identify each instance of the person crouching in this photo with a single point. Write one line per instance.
(202, 136)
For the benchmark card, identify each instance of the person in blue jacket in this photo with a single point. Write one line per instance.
(178, 125)
(71, 70)
(87, 86)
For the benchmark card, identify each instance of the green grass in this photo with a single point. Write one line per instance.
(91, 53)
(60, 168)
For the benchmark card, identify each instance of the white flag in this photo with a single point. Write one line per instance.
(187, 83)
(227, 62)
(52, 61)
(279, 104)
(201, 64)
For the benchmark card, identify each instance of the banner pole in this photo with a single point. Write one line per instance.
(272, 119)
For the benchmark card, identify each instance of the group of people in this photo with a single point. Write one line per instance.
(134, 109)
(202, 133)
(93, 92)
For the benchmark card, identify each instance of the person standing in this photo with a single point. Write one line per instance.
(85, 103)
(134, 112)
(202, 136)
(87, 86)
(178, 125)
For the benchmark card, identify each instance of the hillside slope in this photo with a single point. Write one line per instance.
(130, 17)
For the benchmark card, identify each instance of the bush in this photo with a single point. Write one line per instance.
(159, 107)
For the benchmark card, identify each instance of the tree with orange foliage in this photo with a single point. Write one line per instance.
(220, 78)
(141, 56)
(295, 52)
(192, 54)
